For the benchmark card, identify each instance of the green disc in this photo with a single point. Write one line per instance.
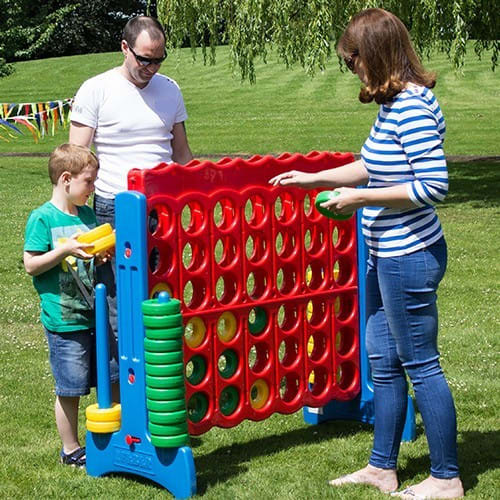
(168, 418)
(175, 333)
(260, 322)
(325, 196)
(197, 407)
(163, 358)
(162, 345)
(169, 441)
(153, 307)
(199, 369)
(165, 394)
(228, 400)
(166, 406)
(162, 321)
(168, 430)
(171, 382)
(231, 366)
(164, 370)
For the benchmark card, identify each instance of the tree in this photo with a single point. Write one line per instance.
(306, 31)
(30, 30)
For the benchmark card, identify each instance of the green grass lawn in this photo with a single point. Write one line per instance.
(280, 457)
(285, 111)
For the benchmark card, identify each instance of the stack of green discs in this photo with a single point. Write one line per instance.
(164, 365)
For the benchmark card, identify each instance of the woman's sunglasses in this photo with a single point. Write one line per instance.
(146, 61)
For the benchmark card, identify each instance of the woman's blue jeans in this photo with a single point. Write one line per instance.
(401, 335)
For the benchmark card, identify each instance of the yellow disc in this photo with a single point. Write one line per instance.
(310, 345)
(194, 332)
(309, 311)
(160, 287)
(259, 394)
(96, 414)
(103, 427)
(227, 329)
(102, 244)
(95, 234)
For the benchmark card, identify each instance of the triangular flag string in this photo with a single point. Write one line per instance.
(40, 118)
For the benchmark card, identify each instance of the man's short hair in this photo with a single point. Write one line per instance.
(138, 24)
(70, 158)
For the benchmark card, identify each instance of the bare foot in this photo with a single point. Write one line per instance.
(432, 487)
(385, 480)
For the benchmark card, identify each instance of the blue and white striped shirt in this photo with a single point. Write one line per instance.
(406, 146)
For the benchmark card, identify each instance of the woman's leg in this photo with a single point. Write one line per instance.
(408, 286)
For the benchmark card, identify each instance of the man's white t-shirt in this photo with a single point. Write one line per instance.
(133, 126)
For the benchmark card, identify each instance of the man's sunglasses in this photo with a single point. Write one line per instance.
(146, 61)
(349, 61)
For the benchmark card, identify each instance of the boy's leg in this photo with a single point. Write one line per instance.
(66, 410)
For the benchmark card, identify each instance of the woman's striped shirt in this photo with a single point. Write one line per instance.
(406, 146)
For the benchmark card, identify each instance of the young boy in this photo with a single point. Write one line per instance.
(50, 248)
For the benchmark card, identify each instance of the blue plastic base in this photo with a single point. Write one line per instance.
(358, 409)
(172, 468)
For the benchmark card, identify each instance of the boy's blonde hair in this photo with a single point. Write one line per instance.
(70, 158)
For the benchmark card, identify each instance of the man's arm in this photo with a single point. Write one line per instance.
(80, 134)
(180, 148)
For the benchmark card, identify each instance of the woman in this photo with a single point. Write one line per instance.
(403, 164)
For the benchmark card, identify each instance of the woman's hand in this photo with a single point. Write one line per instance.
(348, 201)
(295, 178)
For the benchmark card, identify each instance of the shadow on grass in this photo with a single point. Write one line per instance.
(475, 183)
(229, 461)
(477, 454)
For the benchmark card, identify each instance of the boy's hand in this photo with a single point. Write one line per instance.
(103, 257)
(75, 248)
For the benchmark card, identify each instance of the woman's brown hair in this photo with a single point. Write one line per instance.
(380, 42)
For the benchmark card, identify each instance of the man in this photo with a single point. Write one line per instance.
(135, 119)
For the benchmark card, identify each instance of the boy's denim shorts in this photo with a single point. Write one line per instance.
(72, 357)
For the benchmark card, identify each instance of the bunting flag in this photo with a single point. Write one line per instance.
(40, 118)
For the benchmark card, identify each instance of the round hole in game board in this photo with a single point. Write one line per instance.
(225, 251)
(285, 209)
(286, 279)
(259, 394)
(227, 363)
(255, 211)
(344, 340)
(316, 313)
(225, 215)
(288, 351)
(258, 357)
(196, 369)
(160, 221)
(307, 205)
(318, 381)
(286, 244)
(315, 275)
(345, 308)
(227, 326)
(257, 249)
(257, 320)
(335, 236)
(288, 316)
(229, 399)
(346, 375)
(194, 332)
(194, 293)
(227, 289)
(314, 241)
(257, 284)
(158, 288)
(192, 218)
(341, 237)
(197, 407)
(289, 387)
(154, 260)
(316, 346)
(342, 271)
(187, 255)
